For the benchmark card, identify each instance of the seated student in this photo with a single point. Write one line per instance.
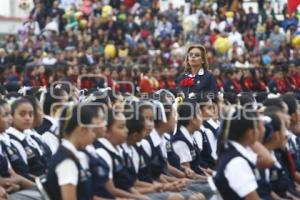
(235, 172)
(11, 182)
(136, 132)
(66, 178)
(30, 151)
(185, 146)
(282, 180)
(154, 150)
(38, 119)
(293, 132)
(51, 100)
(97, 165)
(120, 183)
(207, 136)
(274, 138)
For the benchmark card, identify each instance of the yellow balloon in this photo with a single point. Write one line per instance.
(296, 41)
(83, 23)
(222, 45)
(110, 51)
(230, 14)
(106, 11)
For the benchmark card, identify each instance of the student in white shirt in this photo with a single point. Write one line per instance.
(67, 178)
(235, 176)
(120, 183)
(13, 183)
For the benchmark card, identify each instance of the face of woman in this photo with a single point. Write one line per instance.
(171, 121)
(194, 57)
(23, 117)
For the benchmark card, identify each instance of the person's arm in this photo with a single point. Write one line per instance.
(175, 172)
(20, 180)
(264, 157)
(68, 191)
(252, 196)
(119, 192)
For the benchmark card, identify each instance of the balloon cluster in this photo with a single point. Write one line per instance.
(75, 19)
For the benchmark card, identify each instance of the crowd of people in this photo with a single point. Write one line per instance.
(136, 41)
(111, 99)
(105, 145)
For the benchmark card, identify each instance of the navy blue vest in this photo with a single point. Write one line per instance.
(121, 175)
(99, 174)
(47, 154)
(220, 180)
(144, 166)
(206, 151)
(295, 151)
(15, 159)
(173, 158)
(129, 165)
(4, 166)
(280, 178)
(264, 186)
(195, 152)
(36, 163)
(51, 186)
(158, 164)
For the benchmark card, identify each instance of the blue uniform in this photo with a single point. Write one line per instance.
(156, 161)
(99, 174)
(280, 176)
(144, 173)
(37, 164)
(121, 177)
(195, 153)
(222, 182)
(83, 188)
(14, 156)
(204, 82)
(173, 158)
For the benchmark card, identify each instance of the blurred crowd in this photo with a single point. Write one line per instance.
(134, 40)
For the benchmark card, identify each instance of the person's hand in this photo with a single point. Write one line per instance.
(11, 187)
(189, 173)
(158, 187)
(3, 194)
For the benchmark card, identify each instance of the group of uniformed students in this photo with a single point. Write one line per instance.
(108, 146)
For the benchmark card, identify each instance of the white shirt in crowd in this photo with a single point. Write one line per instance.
(243, 182)
(106, 156)
(23, 136)
(67, 171)
(157, 141)
(181, 148)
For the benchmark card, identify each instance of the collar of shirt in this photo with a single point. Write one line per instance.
(156, 138)
(5, 138)
(21, 136)
(128, 149)
(91, 149)
(32, 132)
(245, 151)
(200, 72)
(109, 146)
(213, 123)
(186, 134)
(68, 145)
(54, 122)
